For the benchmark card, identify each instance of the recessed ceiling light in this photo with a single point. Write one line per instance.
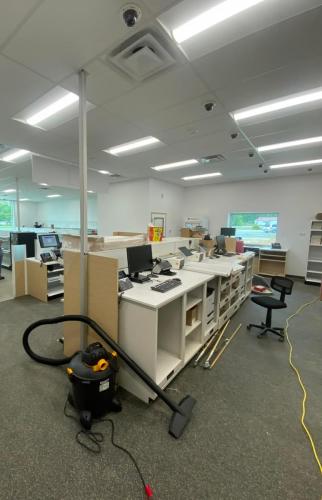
(211, 17)
(43, 184)
(9, 191)
(104, 172)
(53, 108)
(201, 176)
(176, 164)
(278, 104)
(24, 199)
(297, 164)
(15, 155)
(127, 147)
(289, 144)
(53, 195)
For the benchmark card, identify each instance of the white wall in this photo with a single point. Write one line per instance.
(28, 213)
(65, 213)
(167, 198)
(127, 206)
(123, 208)
(297, 199)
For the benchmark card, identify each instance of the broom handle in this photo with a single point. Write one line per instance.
(218, 340)
(226, 345)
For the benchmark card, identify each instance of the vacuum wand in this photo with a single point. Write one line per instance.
(181, 412)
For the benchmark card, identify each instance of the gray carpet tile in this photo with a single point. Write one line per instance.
(244, 440)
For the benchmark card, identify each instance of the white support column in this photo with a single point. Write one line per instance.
(83, 202)
(18, 204)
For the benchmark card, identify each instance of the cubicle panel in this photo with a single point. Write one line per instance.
(18, 256)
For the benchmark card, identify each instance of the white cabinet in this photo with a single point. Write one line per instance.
(314, 262)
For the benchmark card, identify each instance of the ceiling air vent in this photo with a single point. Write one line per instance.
(213, 158)
(141, 58)
(115, 176)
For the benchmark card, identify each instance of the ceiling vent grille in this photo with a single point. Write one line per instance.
(115, 176)
(141, 58)
(213, 158)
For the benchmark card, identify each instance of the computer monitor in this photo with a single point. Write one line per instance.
(221, 244)
(139, 259)
(49, 240)
(227, 231)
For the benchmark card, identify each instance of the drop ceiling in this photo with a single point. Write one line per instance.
(272, 51)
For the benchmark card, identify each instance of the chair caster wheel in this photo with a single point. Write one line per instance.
(248, 327)
(281, 339)
(260, 336)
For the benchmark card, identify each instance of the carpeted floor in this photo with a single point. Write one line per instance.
(244, 441)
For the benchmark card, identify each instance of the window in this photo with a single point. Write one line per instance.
(7, 214)
(255, 228)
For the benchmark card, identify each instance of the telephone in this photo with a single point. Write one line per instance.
(46, 257)
(163, 267)
(125, 284)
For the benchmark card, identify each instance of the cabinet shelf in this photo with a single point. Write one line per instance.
(192, 301)
(192, 347)
(166, 363)
(56, 291)
(191, 328)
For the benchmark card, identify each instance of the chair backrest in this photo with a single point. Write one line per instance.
(282, 285)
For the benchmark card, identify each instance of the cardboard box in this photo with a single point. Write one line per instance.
(208, 244)
(192, 315)
(185, 233)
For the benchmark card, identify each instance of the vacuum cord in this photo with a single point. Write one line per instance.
(295, 369)
(97, 438)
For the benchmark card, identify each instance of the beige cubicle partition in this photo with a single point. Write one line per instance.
(102, 296)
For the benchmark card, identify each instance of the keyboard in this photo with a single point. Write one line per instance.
(167, 285)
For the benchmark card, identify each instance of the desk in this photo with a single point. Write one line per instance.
(42, 282)
(153, 326)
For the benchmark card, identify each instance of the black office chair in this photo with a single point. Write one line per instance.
(284, 286)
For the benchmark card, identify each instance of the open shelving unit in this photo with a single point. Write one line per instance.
(314, 261)
(272, 262)
(43, 282)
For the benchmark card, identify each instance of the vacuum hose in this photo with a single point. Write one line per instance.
(181, 412)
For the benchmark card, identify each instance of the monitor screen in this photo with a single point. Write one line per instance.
(48, 240)
(221, 245)
(139, 259)
(186, 252)
(228, 231)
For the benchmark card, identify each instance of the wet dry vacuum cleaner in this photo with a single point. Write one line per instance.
(93, 372)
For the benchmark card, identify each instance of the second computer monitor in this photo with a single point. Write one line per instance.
(227, 231)
(139, 259)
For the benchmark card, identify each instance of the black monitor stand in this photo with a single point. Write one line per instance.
(139, 278)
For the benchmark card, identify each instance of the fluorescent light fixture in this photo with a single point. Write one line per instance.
(9, 191)
(201, 176)
(53, 195)
(104, 172)
(24, 199)
(278, 104)
(211, 17)
(297, 164)
(19, 153)
(289, 144)
(90, 191)
(43, 184)
(177, 164)
(52, 109)
(132, 145)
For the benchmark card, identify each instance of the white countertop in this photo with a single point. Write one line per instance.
(142, 293)
(221, 266)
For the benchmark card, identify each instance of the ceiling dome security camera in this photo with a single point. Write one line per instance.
(234, 135)
(131, 14)
(209, 106)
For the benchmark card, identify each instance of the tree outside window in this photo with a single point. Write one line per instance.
(255, 228)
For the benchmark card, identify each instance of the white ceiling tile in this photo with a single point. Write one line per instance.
(169, 89)
(103, 83)
(18, 87)
(304, 74)
(13, 13)
(264, 51)
(60, 37)
(235, 28)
